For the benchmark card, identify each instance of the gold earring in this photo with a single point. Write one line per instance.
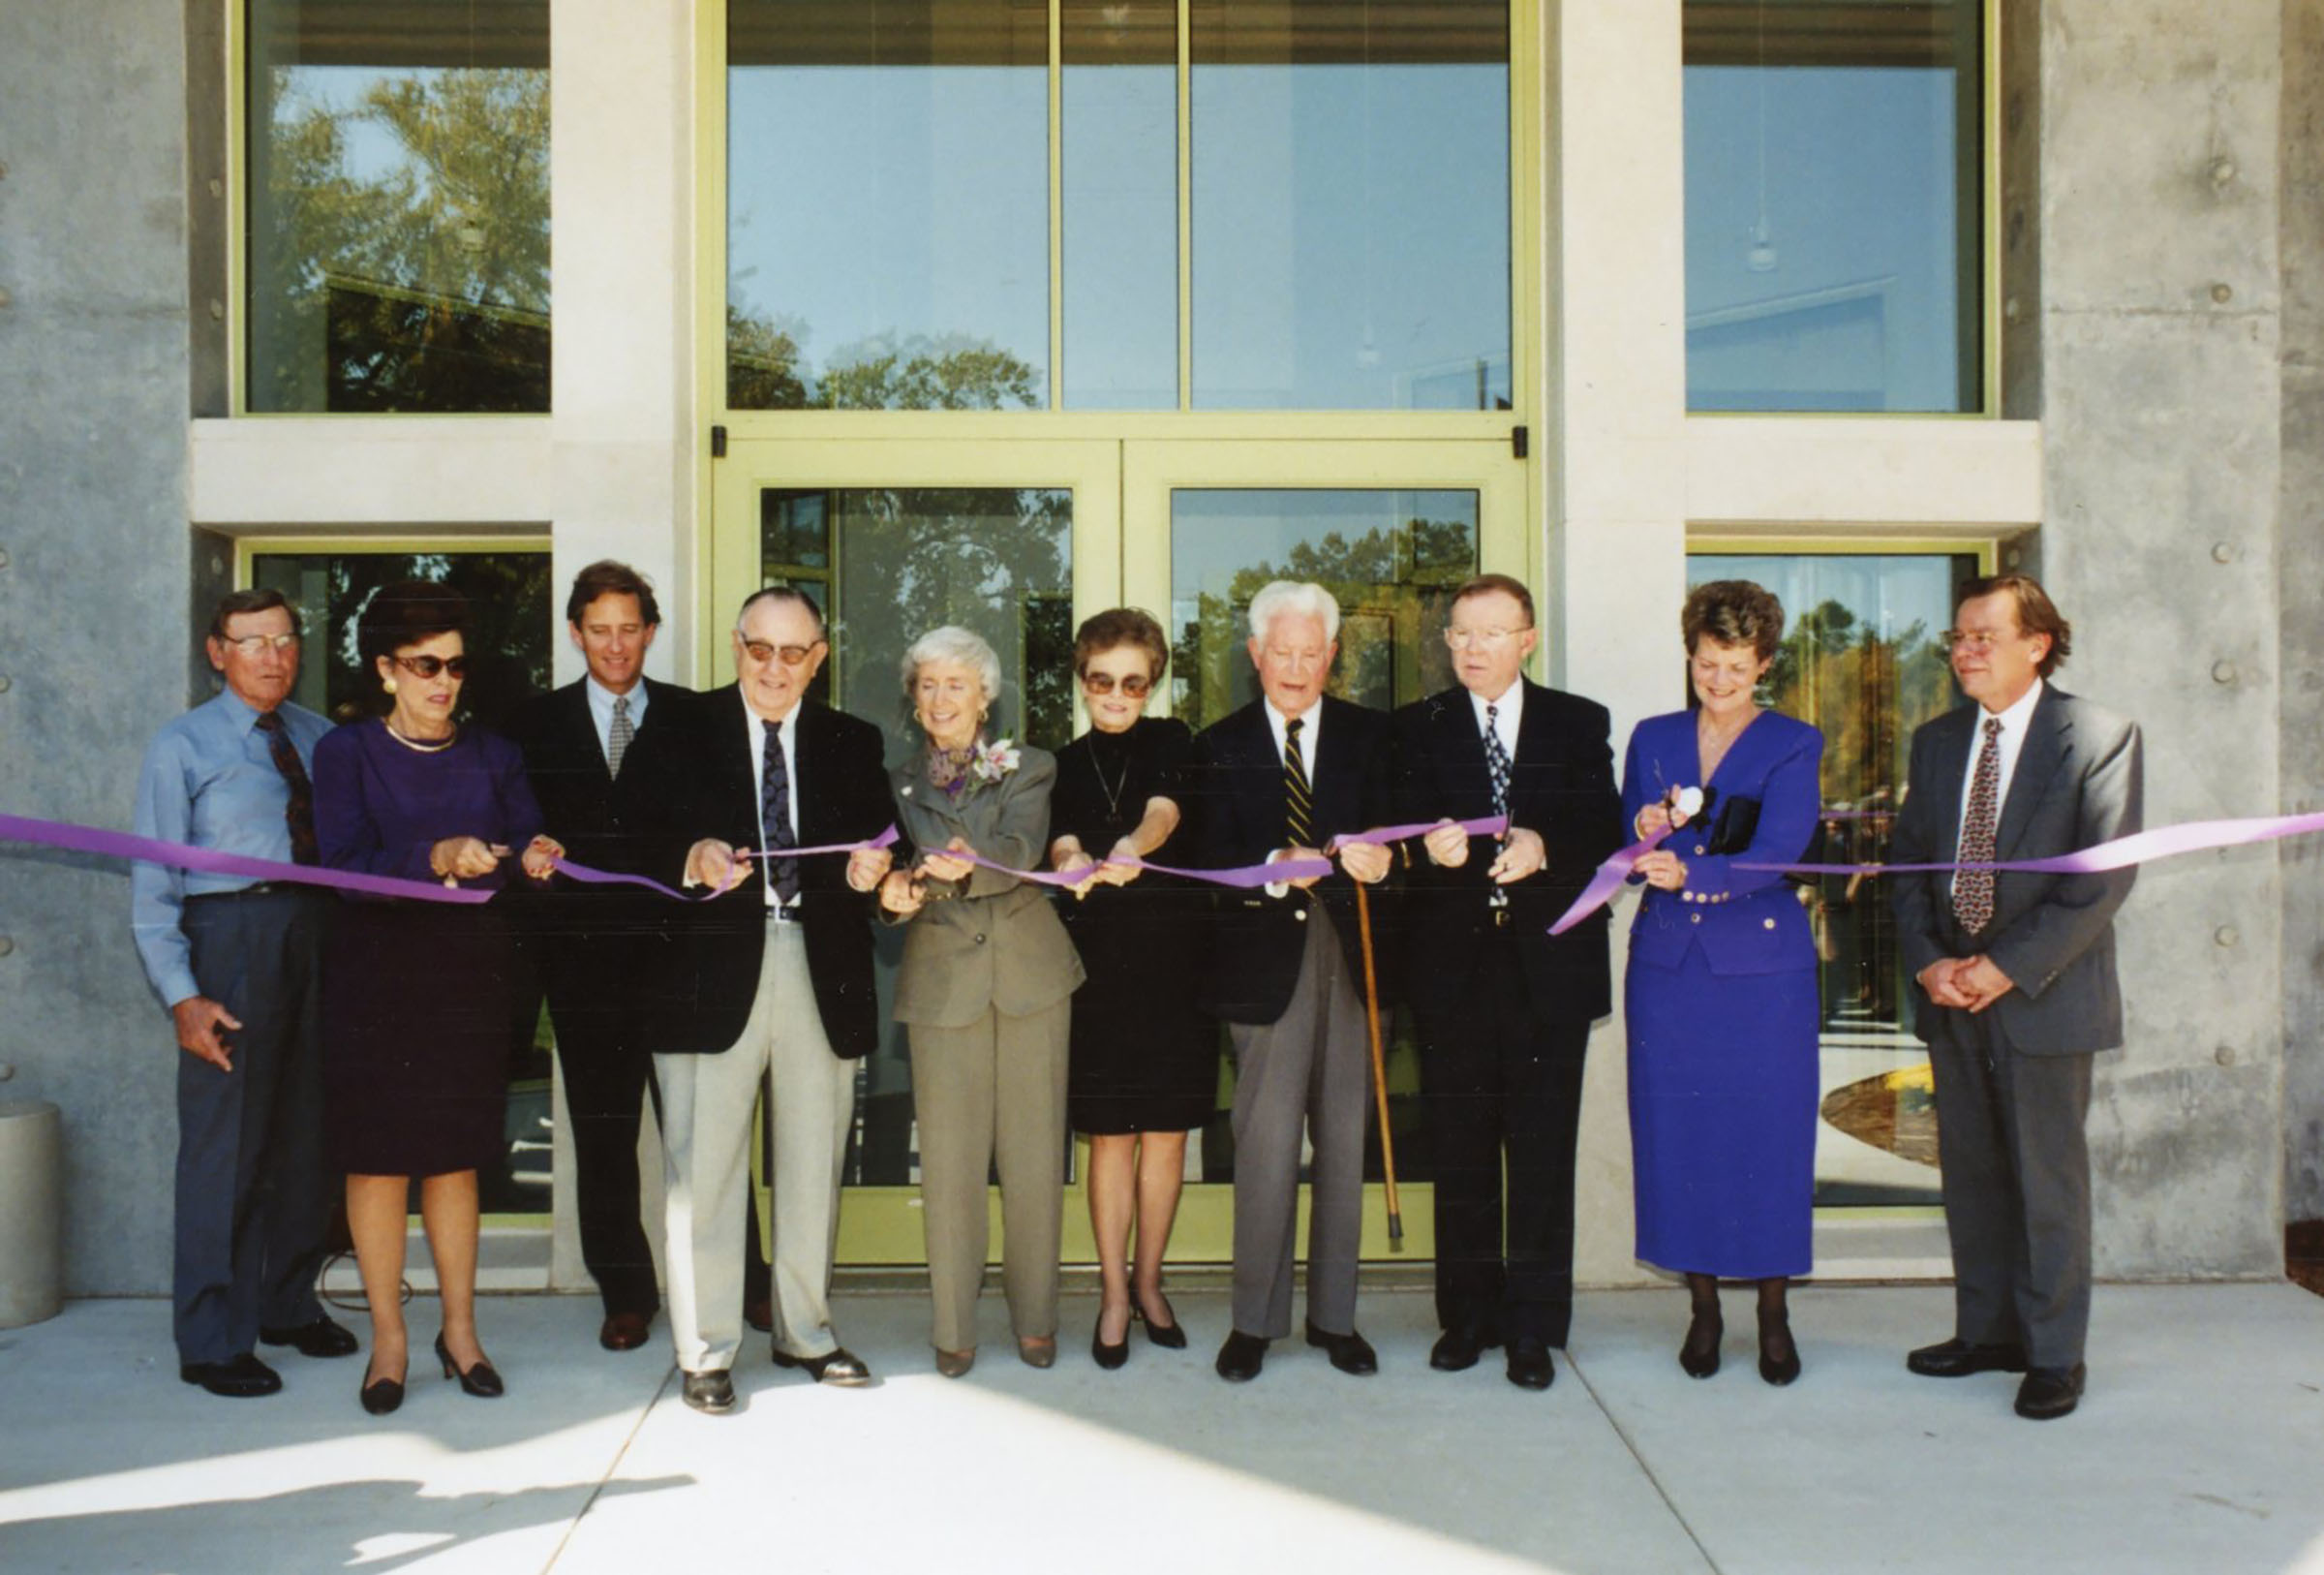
(387, 683)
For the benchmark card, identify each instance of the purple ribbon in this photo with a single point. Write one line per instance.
(601, 878)
(1606, 881)
(1248, 876)
(210, 861)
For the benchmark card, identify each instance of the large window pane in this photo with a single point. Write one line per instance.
(1834, 170)
(1119, 87)
(887, 188)
(1863, 660)
(1350, 204)
(399, 205)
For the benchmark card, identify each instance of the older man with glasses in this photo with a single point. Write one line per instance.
(238, 964)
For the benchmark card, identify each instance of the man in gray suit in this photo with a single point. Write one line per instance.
(2017, 977)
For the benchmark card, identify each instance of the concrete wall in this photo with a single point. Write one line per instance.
(93, 407)
(2160, 334)
(2299, 596)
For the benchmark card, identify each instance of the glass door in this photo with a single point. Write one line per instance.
(1017, 542)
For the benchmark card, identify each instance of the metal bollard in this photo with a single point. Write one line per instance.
(32, 1175)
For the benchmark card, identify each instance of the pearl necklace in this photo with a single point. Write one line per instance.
(419, 748)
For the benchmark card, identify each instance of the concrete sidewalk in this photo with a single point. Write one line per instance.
(2200, 1447)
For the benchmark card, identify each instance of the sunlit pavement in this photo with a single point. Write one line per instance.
(2200, 1447)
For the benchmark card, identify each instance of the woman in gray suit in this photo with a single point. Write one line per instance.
(985, 989)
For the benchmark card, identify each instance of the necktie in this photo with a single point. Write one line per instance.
(774, 816)
(1972, 889)
(299, 812)
(1299, 817)
(617, 737)
(1497, 766)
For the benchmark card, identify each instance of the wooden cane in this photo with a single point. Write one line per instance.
(1371, 1014)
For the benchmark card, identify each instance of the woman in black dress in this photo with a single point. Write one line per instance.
(415, 994)
(1144, 1064)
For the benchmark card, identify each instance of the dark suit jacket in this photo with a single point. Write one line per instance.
(2078, 783)
(842, 796)
(1236, 784)
(1561, 788)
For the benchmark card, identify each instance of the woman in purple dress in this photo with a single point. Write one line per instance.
(416, 995)
(1721, 998)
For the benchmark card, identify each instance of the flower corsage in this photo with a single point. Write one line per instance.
(964, 773)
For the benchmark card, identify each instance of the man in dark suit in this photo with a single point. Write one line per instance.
(2017, 979)
(603, 757)
(1281, 779)
(772, 982)
(1504, 1007)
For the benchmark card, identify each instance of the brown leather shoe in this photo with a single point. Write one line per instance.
(758, 1311)
(623, 1331)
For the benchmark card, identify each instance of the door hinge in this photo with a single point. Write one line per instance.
(1521, 442)
(717, 443)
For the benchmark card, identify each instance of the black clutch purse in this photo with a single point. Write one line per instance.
(1735, 822)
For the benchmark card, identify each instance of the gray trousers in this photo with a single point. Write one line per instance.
(707, 1104)
(1307, 1073)
(989, 1095)
(254, 1200)
(2016, 1168)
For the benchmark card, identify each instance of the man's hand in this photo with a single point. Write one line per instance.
(541, 854)
(1939, 979)
(199, 1020)
(1520, 856)
(1288, 854)
(712, 863)
(1981, 983)
(1447, 845)
(1364, 861)
(867, 867)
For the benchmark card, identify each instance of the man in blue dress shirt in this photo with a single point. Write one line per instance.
(240, 967)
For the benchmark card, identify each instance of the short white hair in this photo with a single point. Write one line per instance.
(953, 643)
(1299, 598)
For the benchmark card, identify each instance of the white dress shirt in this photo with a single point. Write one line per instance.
(1511, 706)
(2015, 721)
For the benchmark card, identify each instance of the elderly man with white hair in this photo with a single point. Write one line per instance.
(1281, 779)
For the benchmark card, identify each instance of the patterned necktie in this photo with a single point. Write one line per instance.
(774, 816)
(1972, 889)
(299, 812)
(618, 737)
(1497, 767)
(1298, 819)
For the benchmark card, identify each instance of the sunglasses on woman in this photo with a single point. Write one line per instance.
(1135, 686)
(428, 666)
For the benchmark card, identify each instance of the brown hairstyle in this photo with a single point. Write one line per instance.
(1733, 612)
(2036, 613)
(608, 578)
(1486, 584)
(405, 614)
(1103, 631)
(257, 599)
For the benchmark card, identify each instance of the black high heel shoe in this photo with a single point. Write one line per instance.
(382, 1395)
(1169, 1335)
(479, 1379)
(1779, 1353)
(1698, 1354)
(1110, 1357)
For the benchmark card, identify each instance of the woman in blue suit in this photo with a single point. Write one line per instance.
(1720, 998)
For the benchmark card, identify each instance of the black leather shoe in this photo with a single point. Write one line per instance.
(1113, 1357)
(479, 1380)
(1241, 1357)
(1779, 1353)
(758, 1311)
(2050, 1392)
(244, 1378)
(321, 1338)
(1958, 1359)
(625, 1331)
(1699, 1352)
(1529, 1363)
(1457, 1349)
(1350, 1353)
(381, 1396)
(1169, 1335)
(711, 1392)
(842, 1369)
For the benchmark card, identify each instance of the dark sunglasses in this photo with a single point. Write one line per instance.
(1102, 683)
(428, 666)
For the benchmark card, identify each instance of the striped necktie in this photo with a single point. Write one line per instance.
(1298, 816)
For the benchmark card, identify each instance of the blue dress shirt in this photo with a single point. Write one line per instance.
(209, 780)
(601, 711)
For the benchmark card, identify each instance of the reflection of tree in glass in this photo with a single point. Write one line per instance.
(1393, 588)
(766, 369)
(994, 560)
(509, 633)
(431, 276)
(1866, 693)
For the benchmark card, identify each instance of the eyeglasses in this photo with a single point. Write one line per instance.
(1481, 639)
(1980, 640)
(792, 656)
(1136, 685)
(252, 645)
(428, 666)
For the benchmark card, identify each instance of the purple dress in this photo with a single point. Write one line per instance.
(417, 997)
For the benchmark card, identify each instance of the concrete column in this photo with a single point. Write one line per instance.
(2161, 336)
(1617, 486)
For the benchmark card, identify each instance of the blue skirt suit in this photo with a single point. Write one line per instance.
(1723, 1008)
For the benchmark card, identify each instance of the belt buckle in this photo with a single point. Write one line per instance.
(1500, 916)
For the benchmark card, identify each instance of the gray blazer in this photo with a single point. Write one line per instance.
(991, 939)
(2078, 783)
